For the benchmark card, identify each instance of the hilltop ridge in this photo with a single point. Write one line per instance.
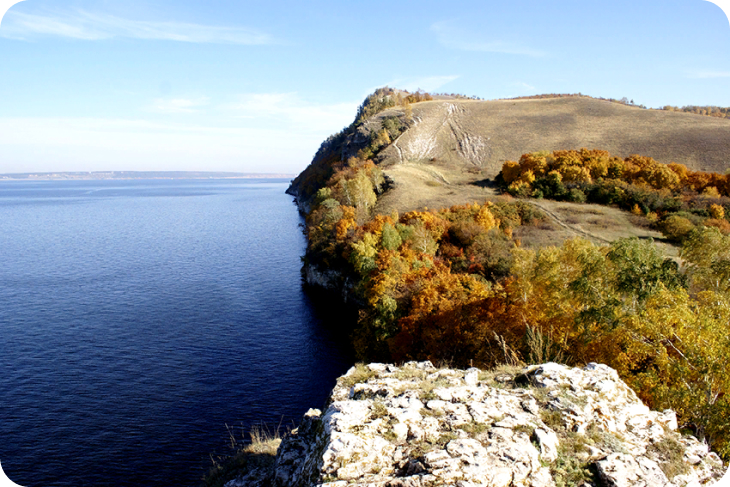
(448, 145)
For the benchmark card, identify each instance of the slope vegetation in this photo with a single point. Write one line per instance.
(483, 278)
(452, 144)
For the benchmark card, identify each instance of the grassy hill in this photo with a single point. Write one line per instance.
(453, 144)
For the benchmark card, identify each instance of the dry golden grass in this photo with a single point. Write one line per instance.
(509, 128)
(456, 146)
(259, 452)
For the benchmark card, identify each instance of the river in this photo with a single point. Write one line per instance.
(139, 318)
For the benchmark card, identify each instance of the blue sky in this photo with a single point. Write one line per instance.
(256, 86)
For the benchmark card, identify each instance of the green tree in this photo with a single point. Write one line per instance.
(640, 269)
(363, 254)
(707, 252)
(390, 237)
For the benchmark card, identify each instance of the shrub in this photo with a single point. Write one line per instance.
(390, 237)
(717, 212)
(722, 225)
(577, 196)
(676, 228)
(491, 254)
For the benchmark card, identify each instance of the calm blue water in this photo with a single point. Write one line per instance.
(137, 318)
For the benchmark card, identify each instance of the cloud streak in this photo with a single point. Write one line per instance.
(291, 111)
(256, 132)
(86, 144)
(178, 105)
(523, 85)
(709, 74)
(451, 36)
(91, 26)
(427, 83)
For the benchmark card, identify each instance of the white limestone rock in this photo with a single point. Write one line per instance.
(417, 426)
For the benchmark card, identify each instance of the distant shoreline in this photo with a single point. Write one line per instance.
(126, 175)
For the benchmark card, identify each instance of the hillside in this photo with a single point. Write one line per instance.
(449, 259)
(455, 143)
(451, 149)
(452, 144)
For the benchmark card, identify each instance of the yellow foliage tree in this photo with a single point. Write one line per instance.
(685, 365)
(717, 211)
(511, 170)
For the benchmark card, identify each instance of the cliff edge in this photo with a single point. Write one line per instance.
(544, 425)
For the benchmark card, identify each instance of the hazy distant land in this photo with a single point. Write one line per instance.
(86, 175)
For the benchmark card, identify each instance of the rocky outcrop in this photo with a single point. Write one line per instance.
(333, 282)
(326, 279)
(546, 425)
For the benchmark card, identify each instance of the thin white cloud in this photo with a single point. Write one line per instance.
(426, 83)
(177, 105)
(291, 111)
(709, 74)
(456, 37)
(523, 85)
(260, 132)
(86, 25)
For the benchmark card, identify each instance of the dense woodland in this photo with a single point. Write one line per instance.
(455, 285)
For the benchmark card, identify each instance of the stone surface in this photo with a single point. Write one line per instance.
(418, 426)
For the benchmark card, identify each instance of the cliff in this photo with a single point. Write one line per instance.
(546, 425)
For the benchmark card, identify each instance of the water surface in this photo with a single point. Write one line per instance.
(137, 318)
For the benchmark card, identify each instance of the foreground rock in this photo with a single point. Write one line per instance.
(547, 425)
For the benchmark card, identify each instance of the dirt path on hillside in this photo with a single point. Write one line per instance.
(566, 226)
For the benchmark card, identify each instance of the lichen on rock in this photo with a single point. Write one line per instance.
(545, 425)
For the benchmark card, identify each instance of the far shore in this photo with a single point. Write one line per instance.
(122, 175)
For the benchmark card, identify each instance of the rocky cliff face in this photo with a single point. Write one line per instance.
(329, 280)
(547, 425)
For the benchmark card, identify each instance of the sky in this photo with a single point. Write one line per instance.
(216, 85)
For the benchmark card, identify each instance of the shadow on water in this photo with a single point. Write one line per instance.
(332, 321)
(335, 318)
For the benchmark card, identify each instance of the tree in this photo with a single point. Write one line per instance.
(640, 269)
(511, 171)
(391, 238)
(358, 192)
(363, 254)
(708, 253)
(686, 348)
(717, 212)
(676, 227)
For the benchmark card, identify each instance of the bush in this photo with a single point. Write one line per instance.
(676, 228)
(577, 196)
(722, 225)
(491, 255)
(717, 212)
